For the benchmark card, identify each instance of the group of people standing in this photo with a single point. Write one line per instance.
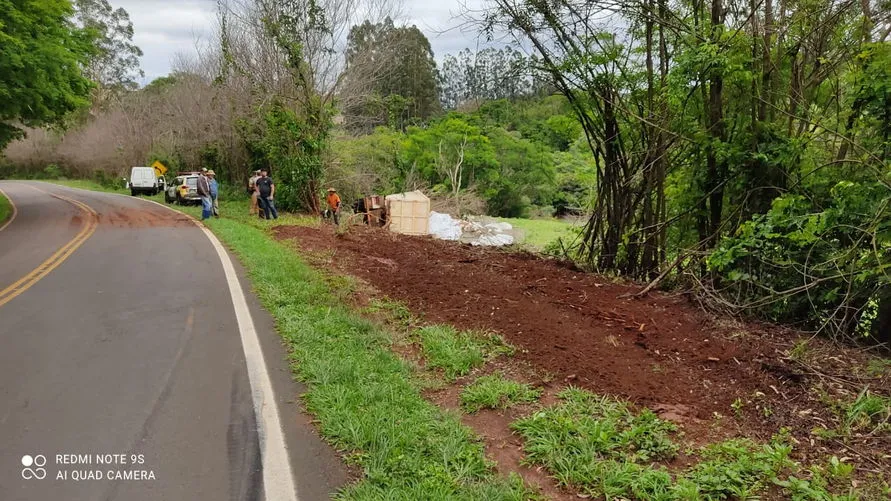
(262, 190)
(209, 191)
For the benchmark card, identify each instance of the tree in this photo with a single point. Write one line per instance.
(729, 124)
(114, 66)
(488, 74)
(41, 56)
(282, 63)
(451, 155)
(391, 76)
(525, 175)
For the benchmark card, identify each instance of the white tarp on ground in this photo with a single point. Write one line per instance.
(481, 231)
(493, 240)
(443, 227)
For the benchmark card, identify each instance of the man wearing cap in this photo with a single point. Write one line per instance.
(214, 192)
(204, 193)
(252, 190)
(334, 204)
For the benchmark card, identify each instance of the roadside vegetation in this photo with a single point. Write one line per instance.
(5, 209)
(868, 413)
(539, 234)
(496, 392)
(601, 447)
(734, 152)
(88, 184)
(712, 156)
(457, 353)
(363, 395)
(368, 402)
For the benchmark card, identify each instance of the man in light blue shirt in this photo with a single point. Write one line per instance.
(214, 192)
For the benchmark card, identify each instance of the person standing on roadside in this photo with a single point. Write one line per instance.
(334, 204)
(204, 193)
(252, 191)
(266, 192)
(214, 192)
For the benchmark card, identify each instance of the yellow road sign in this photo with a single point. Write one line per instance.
(160, 168)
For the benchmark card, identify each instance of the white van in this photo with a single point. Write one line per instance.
(144, 180)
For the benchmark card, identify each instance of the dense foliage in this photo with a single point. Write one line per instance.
(754, 135)
(41, 54)
(507, 154)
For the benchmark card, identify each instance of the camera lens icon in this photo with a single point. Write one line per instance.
(37, 462)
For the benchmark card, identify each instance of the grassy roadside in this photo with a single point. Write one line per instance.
(86, 184)
(5, 209)
(368, 404)
(365, 398)
(362, 394)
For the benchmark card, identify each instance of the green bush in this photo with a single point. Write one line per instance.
(823, 266)
(52, 171)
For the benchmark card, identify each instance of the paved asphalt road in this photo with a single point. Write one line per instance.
(131, 346)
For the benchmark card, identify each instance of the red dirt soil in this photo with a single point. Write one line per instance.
(659, 351)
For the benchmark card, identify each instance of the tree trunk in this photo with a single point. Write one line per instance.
(661, 204)
(715, 167)
(765, 111)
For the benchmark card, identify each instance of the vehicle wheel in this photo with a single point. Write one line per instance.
(132, 192)
(167, 199)
(179, 200)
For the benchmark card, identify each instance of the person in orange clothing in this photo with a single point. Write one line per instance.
(334, 204)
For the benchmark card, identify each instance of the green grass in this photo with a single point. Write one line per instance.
(595, 426)
(869, 412)
(599, 446)
(362, 394)
(5, 209)
(538, 233)
(86, 184)
(496, 392)
(458, 352)
(878, 367)
(395, 312)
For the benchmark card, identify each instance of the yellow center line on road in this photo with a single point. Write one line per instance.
(53, 262)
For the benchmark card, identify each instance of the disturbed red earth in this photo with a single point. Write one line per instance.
(660, 351)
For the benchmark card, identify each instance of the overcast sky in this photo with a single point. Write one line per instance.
(164, 28)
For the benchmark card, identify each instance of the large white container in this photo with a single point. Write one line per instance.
(409, 213)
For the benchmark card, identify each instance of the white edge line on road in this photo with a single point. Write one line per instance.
(278, 479)
(15, 211)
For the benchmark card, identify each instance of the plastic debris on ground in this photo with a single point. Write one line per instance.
(481, 231)
(443, 227)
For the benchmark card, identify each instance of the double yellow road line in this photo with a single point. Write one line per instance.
(53, 262)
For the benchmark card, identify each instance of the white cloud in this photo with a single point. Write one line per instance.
(165, 28)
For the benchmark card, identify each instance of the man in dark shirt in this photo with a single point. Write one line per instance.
(204, 193)
(266, 190)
